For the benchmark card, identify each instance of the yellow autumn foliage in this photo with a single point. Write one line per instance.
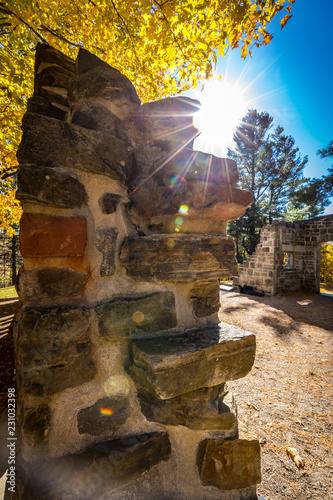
(163, 47)
(326, 263)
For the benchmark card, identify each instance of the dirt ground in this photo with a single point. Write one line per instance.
(286, 400)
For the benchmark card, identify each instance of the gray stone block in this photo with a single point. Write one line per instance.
(102, 467)
(136, 316)
(172, 365)
(210, 408)
(184, 258)
(53, 349)
(50, 186)
(229, 465)
(107, 414)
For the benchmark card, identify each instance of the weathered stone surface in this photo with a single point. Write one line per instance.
(93, 115)
(109, 203)
(56, 95)
(167, 120)
(172, 365)
(195, 166)
(158, 128)
(105, 241)
(50, 283)
(52, 236)
(68, 145)
(86, 61)
(180, 258)
(49, 55)
(106, 414)
(104, 466)
(108, 84)
(53, 349)
(210, 408)
(205, 298)
(229, 465)
(50, 186)
(136, 316)
(35, 423)
(42, 106)
(207, 200)
(53, 76)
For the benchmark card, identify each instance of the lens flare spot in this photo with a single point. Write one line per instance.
(177, 229)
(106, 412)
(171, 243)
(177, 183)
(183, 209)
(179, 221)
(138, 317)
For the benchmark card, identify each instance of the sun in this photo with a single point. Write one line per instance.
(222, 107)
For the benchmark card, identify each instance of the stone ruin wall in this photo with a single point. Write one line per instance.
(121, 364)
(301, 241)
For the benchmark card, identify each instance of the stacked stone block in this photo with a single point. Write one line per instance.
(300, 242)
(121, 364)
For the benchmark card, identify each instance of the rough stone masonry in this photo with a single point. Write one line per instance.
(121, 363)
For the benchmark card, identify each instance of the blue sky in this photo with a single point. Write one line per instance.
(292, 79)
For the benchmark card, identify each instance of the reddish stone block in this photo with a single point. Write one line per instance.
(52, 236)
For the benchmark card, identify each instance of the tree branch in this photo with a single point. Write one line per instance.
(54, 33)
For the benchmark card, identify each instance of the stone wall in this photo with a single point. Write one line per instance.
(121, 364)
(287, 257)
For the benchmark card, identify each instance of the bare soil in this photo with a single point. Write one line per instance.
(286, 400)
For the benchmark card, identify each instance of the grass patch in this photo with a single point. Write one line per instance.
(8, 293)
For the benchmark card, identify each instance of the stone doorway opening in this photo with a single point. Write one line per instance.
(326, 268)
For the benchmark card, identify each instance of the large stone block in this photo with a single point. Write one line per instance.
(52, 76)
(47, 55)
(50, 186)
(35, 423)
(202, 201)
(107, 414)
(195, 166)
(210, 408)
(172, 365)
(100, 468)
(53, 349)
(167, 120)
(182, 258)
(50, 142)
(136, 316)
(52, 236)
(94, 115)
(205, 298)
(41, 106)
(106, 83)
(50, 283)
(229, 465)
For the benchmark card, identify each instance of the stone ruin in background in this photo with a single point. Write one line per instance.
(288, 257)
(121, 363)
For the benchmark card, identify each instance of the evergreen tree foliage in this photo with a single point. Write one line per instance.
(270, 167)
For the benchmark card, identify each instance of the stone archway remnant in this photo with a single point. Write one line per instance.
(121, 363)
(287, 257)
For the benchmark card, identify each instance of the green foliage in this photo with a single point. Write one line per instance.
(271, 168)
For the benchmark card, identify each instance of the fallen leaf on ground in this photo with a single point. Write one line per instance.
(294, 455)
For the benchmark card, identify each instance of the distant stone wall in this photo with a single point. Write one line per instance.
(298, 244)
(121, 364)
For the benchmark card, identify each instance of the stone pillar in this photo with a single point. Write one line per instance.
(121, 363)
